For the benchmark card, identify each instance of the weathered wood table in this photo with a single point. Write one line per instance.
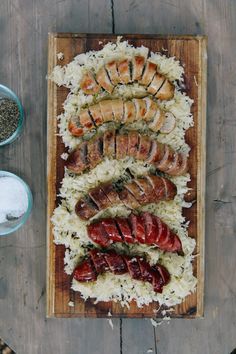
(24, 25)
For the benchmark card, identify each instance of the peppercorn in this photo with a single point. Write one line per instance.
(9, 118)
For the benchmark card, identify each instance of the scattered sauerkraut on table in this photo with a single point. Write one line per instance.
(71, 231)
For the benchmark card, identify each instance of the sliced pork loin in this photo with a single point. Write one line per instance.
(99, 262)
(118, 146)
(124, 71)
(145, 228)
(121, 112)
(132, 195)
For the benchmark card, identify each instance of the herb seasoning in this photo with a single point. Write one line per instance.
(9, 118)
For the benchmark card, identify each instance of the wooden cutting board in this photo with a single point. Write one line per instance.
(191, 51)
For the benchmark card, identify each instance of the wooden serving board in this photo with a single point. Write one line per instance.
(191, 51)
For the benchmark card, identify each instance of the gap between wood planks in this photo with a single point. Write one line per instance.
(112, 16)
(121, 323)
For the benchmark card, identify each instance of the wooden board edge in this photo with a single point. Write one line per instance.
(127, 35)
(51, 111)
(201, 176)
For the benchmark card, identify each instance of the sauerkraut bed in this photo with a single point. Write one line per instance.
(70, 230)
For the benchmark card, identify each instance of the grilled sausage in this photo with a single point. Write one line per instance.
(111, 68)
(100, 262)
(115, 145)
(144, 228)
(132, 195)
(88, 84)
(119, 71)
(122, 112)
(103, 79)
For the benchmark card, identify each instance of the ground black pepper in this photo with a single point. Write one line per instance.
(9, 118)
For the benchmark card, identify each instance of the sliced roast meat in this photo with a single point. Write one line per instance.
(111, 229)
(170, 189)
(138, 194)
(149, 72)
(124, 71)
(124, 229)
(151, 109)
(106, 110)
(145, 228)
(85, 271)
(166, 91)
(157, 282)
(100, 262)
(158, 186)
(133, 267)
(129, 112)
(167, 159)
(131, 195)
(111, 193)
(158, 121)
(183, 166)
(151, 228)
(85, 120)
(121, 146)
(109, 143)
(98, 235)
(95, 151)
(132, 144)
(128, 199)
(118, 110)
(103, 80)
(88, 84)
(111, 68)
(175, 164)
(138, 63)
(116, 263)
(164, 237)
(99, 198)
(157, 81)
(96, 114)
(165, 275)
(146, 270)
(146, 188)
(138, 228)
(75, 128)
(140, 107)
(77, 160)
(144, 148)
(156, 153)
(119, 72)
(86, 208)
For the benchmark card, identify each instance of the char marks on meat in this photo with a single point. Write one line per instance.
(99, 263)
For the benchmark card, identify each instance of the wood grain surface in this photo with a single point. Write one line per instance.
(191, 51)
(24, 27)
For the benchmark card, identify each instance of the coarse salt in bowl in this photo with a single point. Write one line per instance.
(15, 202)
